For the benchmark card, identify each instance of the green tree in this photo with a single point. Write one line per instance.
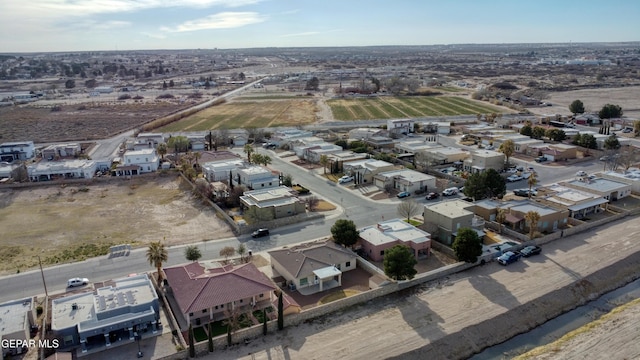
(192, 346)
(612, 143)
(280, 311)
(532, 218)
(467, 245)
(192, 253)
(508, 148)
(156, 255)
(532, 181)
(248, 149)
(556, 134)
(162, 150)
(576, 107)
(589, 141)
(70, 84)
(501, 217)
(312, 84)
(344, 232)
(526, 130)
(485, 184)
(178, 143)
(610, 111)
(399, 262)
(409, 209)
(538, 132)
(242, 251)
(287, 180)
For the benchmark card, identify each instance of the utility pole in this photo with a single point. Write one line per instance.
(46, 293)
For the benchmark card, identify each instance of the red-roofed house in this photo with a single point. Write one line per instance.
(204, 295)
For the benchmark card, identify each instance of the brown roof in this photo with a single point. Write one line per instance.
(302, 260)
(513, 219)
(209, 156)
(196, 288)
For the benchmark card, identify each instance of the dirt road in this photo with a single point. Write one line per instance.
(411, 321)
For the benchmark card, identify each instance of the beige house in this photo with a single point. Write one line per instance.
(609, 189)
(551, 218)
(273, 203)
(444, 155)
(560, 152)
(482, 160)
(376, 239)
(449, 216)
(405, 180)
(364, 170)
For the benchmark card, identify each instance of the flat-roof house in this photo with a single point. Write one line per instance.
(365, 133)
(313, 267)
(444, 155)
(54, 151)
(579, 203)
(560, 152)
(273, 203)
(482, 160)
(315, 152)
(631, 177)
(65, 169)
(364, 170)
(609, 189)
(255, 177)
(413, 146)
(148, 140)
(400, 126)
(551, 218)
(16, 319)
(18, 150)
(376, 239)
(106, 316)
(205, 294)
(286, 136)
(449, 217)
(405, 180)
(223, 170)
(379, 142)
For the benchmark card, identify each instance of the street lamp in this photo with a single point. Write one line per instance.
(138, 337)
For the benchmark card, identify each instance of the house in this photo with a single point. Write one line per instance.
(413, 146)
(379, 142)
(482, 160)
(273, 203)
(449, 217)
(438, 127)
(301, 144)
(110, 314)
(56, 151)
(365, 133)
(146, 161)
(7, 170)
(631, 177)
(65, 169)
(20, 150)
(551, 218)
(560, 152)
(364, 170)
(400, 126)
(205, 294)
(222, 170)
(343, 157)
(579, 203)
(609, 189)
(376, 239)
(147, 141)
(405, 180)
(443, 155)
(312, 267)
(255, 177)
(17, 318)
(286, 136)
(314, 153)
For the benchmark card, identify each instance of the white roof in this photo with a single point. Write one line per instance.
(391, 231)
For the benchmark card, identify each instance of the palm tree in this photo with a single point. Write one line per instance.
(324, 161)
(162, 150)
(532, 218)
(532, 181)
(156, 255)
(501, 216)
(248, 149)
(508, 148)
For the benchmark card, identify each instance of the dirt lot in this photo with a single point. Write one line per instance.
(594, 99)
(64, 223)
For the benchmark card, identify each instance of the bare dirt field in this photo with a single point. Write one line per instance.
(70, 223)
(594, 100)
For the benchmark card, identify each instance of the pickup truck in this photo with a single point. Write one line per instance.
(509, 257)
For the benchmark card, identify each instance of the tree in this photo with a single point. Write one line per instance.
(280, 311)
(532, 181)
(612, 143)
(70, 84)
(399, 262)
(344, 232)
(576, 107)
(501, 217)
(156, 255)
(287, 180)
(90, 84)
(248, 149)
(485, 184)
(532, 218)
(312, 84)
(324, 161)
(467, 245)
(226, 252)
(192, 253)
(192, 346)
(610, 111)
(538, 132)
(526, 130)
(555, 134)
(312, 203)
(508, 148)
(242, 251)
(162, 150)
(178, 143)
(409, 209)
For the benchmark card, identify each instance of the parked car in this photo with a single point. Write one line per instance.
(509, 257)
(431, 196)
(403, 194)
(450, 191)
(514, 178)
(525, 192)
(77, 282)
(541, 159)
(581, 173)
(260, 233)
(530, 250)
(345, 179)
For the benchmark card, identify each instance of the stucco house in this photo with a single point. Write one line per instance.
(609, 189)
(65, 169)
(365, 169)
(255, 177)
(273, 203)
(551, 218)
(376, 239)
(482, 160)
(204, 294)
(18, 316)
(449, 217)
(405, 180)
(312, 267)
(19, 150)
(145, 159)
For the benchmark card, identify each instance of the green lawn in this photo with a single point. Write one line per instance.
(199, 334)
(218, 328)
(259, 315)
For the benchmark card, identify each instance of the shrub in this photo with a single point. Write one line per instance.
(124, 97)
(165, 96)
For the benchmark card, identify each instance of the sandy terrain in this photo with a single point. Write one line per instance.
(615, 334)
(70, 222)
(594, 100)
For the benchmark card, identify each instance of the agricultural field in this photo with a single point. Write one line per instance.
(406, 107)
(259, 112)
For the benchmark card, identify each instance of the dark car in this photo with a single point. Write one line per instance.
(260, 233)
(508, 258)
(530, 250)
(431, 196)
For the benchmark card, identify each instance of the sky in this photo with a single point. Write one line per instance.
(88, 25)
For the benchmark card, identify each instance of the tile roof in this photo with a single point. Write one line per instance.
(196, 288)
(304, 259)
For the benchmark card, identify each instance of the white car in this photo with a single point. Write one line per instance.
(514, 178)
(77, 282)
(450, 191)
(345, 179)
(581, 173)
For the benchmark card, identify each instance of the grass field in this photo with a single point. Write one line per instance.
(405, 107)
(248, 112)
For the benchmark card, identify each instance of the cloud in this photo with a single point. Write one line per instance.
(224, 20)
(308, 33)
(154, 35)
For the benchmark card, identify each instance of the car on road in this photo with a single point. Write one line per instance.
(509, 257)
(345, 179)
(541, 159)
(77, 282)
(525, 192)
(530, 250)
(403, 194)
(450, 191)
(514, 178)
(260, 233)
(432, 195)
(581, 173)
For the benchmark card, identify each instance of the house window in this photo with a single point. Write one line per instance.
(204, 311)
(269, 184)
(216, 307)
(303, 282)
(262, 185)
(241, 301)
(190, 314)
(146, 159)
(222, 306)
(261, 295)
(381, 252)
(348, 264)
